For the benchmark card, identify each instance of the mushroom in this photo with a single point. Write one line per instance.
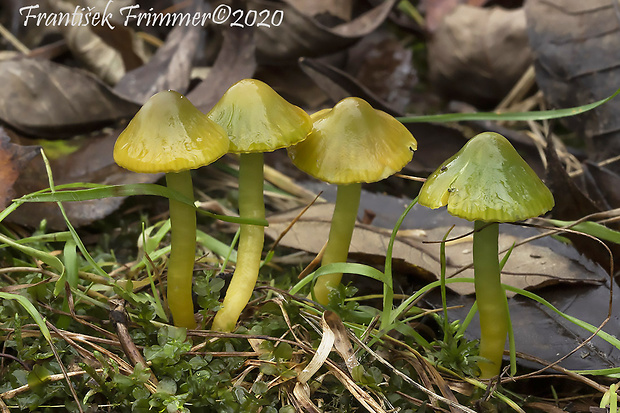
(488, 182)
(350, 144)
(168, 134)
(257, 120)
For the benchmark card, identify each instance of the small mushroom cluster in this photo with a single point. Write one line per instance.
(486, 182)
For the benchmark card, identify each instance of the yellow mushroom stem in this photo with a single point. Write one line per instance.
(491, 298)
(251, 239)
(182, 251)
(340, 233)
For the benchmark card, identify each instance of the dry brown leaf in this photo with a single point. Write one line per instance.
(342, 344)
(340, 9)
(106, 52)
(235, 61)
(300, 35)
(436, 10)
(532, 265)
(576, 45)
(92, 162)
(477, 54)
(169, 68)
(13, 158)
(47, 99)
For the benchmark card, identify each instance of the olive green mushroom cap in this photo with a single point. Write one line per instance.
(257, 119)
(169, 134)
(352, 143)
(487, 180)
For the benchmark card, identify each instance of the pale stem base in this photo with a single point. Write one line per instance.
(491, 298)
(340, 233)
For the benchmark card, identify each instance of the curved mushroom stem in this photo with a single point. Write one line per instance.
(491, 298)
(340, 233)
(251, 239)
(182, 251)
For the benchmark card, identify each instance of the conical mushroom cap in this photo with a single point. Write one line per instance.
(487, 180)
(257, 119)
(168, 134)
(352, 142)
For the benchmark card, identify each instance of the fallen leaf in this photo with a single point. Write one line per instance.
(382, 63)
(606, 182)
(572, 202)
(338, 84)
(13, 158)
(340, 9)
(302, 35)
(169, 68)
(49, 100)
(436, 10)
(535, 264)
(477, 55)
(576, 44)
(106, 52)
(542, 333)
(235, 61)
(92, 163)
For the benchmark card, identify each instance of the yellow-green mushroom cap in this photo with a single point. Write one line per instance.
(169, 134)
(257, 119)
(487, 180)
(352, 143)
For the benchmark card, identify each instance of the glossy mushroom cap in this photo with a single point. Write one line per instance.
(168, 134)
(487, 180)
(352, 143)
(257, 119)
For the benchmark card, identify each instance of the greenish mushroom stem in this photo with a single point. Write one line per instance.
(491, 298)
(251, 239)
(340, 233)
(182, 251)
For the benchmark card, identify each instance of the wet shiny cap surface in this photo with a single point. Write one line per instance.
(487, 180)
(352, 142)
(257, 119)
(169, 134)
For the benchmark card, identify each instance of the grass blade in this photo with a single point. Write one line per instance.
(508, 116)
(95, 191)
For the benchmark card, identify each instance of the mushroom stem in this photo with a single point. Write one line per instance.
(491, 298)
(182, 251)
(340, 233)
(251, 239)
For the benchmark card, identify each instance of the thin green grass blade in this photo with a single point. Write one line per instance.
(70, 275)
(508, 116)
(586, 326)
(95, 191)
(153, 241)
(159, 308)
(470, 316)
(340, 267)
(231, 249)
(388, 291)
(613, 372)
(442, 280)
(63, 236)
(34, 313)
(215, 245)
(428, 287)
(591, 228)
(8, 210)
(74, 234)
(511, 334)
(49, 259)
